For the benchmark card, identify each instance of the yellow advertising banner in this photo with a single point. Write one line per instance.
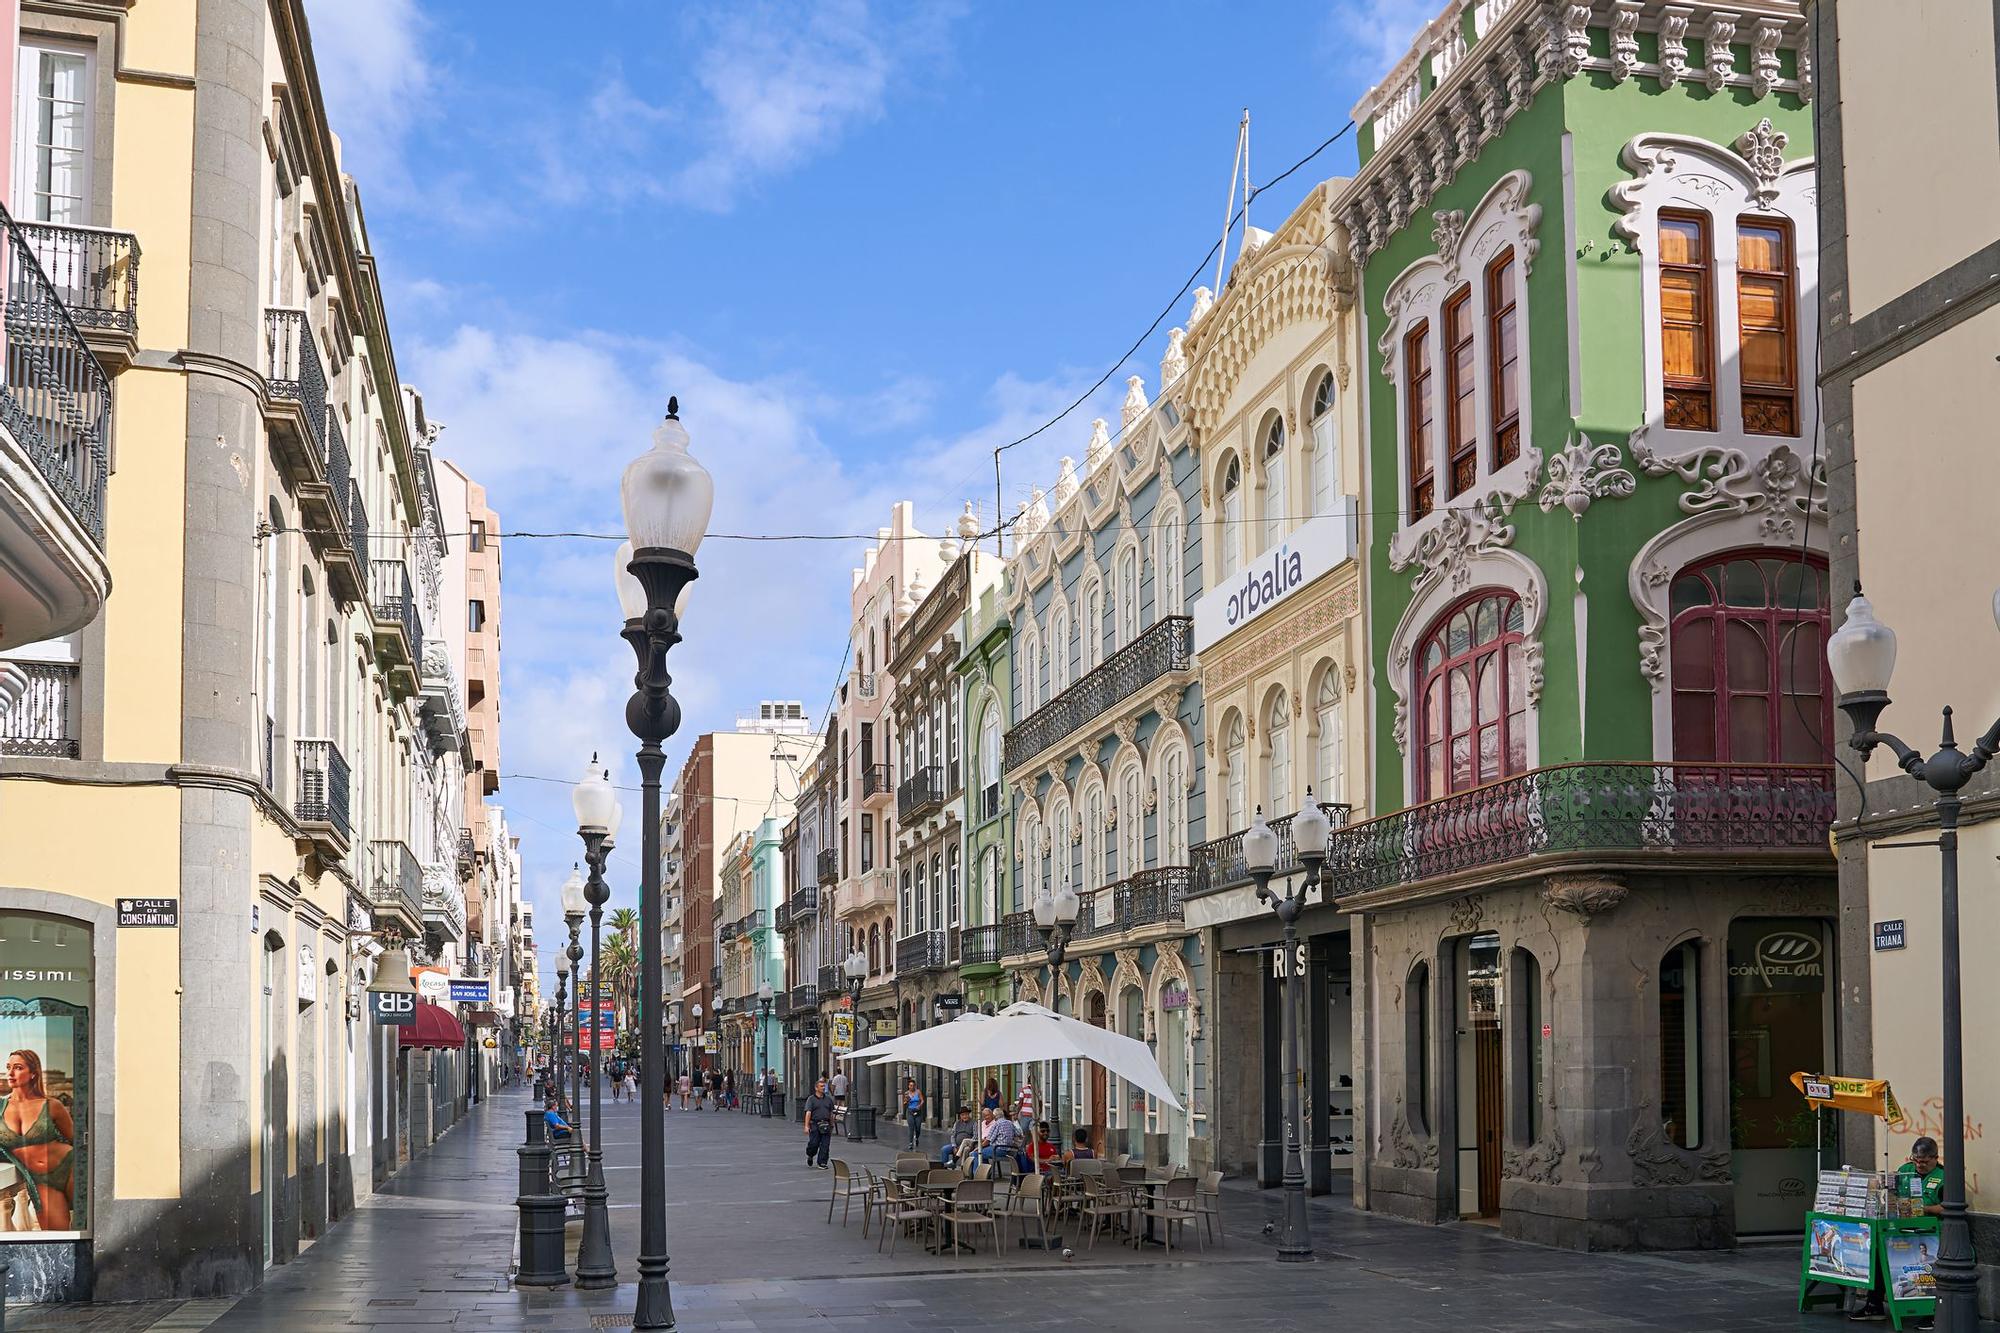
(1869, 1096)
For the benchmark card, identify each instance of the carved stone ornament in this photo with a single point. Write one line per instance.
(1350, 677)
(1584, 896)
(1125, 728)
(1467, 913)
(1540, 1164)
(1673, 45)
(1443, 552)
(1582, 472)
(1777, 487)
(1450, 229)
(1658, 1161)
(1167, 703)
(1173, 362)
(1764, 40)
(1764, 149)
(1721, 56)
(1567, 45)
(1406, 1151)
(1624, 39)
(1804, 57)
(1134, 405)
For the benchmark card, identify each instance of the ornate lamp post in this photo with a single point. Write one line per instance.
(856, 969)
(598, 815)
(573, 907)
(1055, 917)
(764, 996)
(1260, 854)
(696, 1033)
(558, 1019)
(1862, 656)
(667, 497)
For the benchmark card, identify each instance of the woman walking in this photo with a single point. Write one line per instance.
(913, 1109)
(682, 1088)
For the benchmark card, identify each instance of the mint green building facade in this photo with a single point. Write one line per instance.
(985, 690)
(1593, 930)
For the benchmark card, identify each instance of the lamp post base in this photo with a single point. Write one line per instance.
(595, 1268)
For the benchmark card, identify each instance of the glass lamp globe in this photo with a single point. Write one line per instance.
(1260, 845)
(667, 495)
(562, 964)
(1066, 906)
(697, 1013)
(593, 800)
(1045, 911)
(764, 991)
(857, 964)
(573, 901)
(1309, 827)
(1862, 653)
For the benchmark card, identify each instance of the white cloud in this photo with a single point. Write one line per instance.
(1369, 36)
(375, 76)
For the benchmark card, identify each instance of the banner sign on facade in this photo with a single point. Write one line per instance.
(46, 1003)
(470, 990)
(843, 1033)
(1869, 1096)
(1308, 551)
(432, 985)
(392, 1008)
(885, 1027)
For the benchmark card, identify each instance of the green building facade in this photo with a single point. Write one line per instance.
(985, 692)
(1595, 922)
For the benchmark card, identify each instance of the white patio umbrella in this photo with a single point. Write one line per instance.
(1025, 1033)
(888, 1049)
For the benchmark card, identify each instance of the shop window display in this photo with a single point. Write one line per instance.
(45, 993)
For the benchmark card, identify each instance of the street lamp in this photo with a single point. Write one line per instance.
(1861, 656)
(597, 818)
(1260, 854)
(764, 995)
(1055, 916)
(558, 1017)
(856, 968)
(573, 904)
(667, 497)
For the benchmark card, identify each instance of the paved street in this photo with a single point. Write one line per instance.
(752, 1250)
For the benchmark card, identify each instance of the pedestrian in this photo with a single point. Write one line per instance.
(715, 1090)
(617, 1073)
(839, 1087)
(632, 1082)
(1024, 1109)
(682, 1088)
(819, 1126)
(990, 1100)
(913, 1109)
(729, 1089)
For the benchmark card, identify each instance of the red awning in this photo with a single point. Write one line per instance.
(434, 1029)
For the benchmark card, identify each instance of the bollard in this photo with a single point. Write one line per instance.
(777, 1105)
(542, 1256)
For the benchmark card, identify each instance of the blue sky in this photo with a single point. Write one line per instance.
(864, 243)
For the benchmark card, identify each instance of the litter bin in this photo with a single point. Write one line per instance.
(778, 1105)
(860, 1123)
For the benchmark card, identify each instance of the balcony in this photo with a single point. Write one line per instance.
(1731, 816)
(321, 791)
(805, 903)
(875, 784)
(444, 902)
(323, 512)
(925, 951)
(95, 273)
(399, 634)
(829, 867)
(715, 977)
(781, 919)
(1219, 864)
(979, 946)
(1166, 648)
(1018, 934)
(357, 523)
(468, 859)
(437, 695)
(875, 889)
(44, 722)
(804, 997)
(921, 793)
(750, 922)
(295, 392)
(55, 423)
(832, 981)
(864, 684)
(397, 884)
(728, 932)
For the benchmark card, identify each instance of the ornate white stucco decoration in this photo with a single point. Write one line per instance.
(1764, 41)
(1066, 483)
(968, 525)
(1673, 44)
(1204, 300)
(1443, 552)
(1450, 229)
(1173, 362)
(1721, 56)
(1567, 39)
(1581, 472)
(1134, 405)
(1099, 448)
(1035, 517)
(1624, 39)
(1775, 489)
(1764, 149)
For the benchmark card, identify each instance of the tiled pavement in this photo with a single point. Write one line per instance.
(752, 1250)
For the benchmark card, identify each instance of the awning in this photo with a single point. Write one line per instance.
(433, 1029)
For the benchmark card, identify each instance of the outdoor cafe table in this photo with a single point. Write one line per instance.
(942, 1191)
(1150, 1184)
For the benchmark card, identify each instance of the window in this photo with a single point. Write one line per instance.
(1505, 355)
(52, 135)
(1229, 531)
(475, 615)
(1235, 792)
(1749, 661)
(1169, 569)
(1059, 825)
(1173, 809)
(989, 750)
(1096, 872)
(903, 892)
(1090, 631)
(1767, 352)
(1461, 413)
(478, 538)
(867, 843)
(1329, 739)
(1278, 755)
(1423, 482)
(1687, 342)
(1472, 714)
(1131, 822)
(1680, 1045)
(1325, 449)
(951, 884)
(1274, 483)
(1128, 596)
(1417, 1043)
(1058, 647)
(1030, 651)
(936, 917)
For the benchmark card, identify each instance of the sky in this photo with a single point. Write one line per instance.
(864, 243)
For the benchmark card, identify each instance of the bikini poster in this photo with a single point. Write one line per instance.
(45, 1117)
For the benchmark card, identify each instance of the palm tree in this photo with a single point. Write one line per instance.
(621, 968)
(626, 922)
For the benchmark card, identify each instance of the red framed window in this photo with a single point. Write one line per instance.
(1687, 334)
(1505, 355)
(1423, 481)
(1749, 660)
(1461, 416)
(1767, 329)
(1472, 711)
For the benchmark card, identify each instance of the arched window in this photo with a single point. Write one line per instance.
(1229, 532)
(1058, 648)
(1030, 654)
(989, 759)
(1236, 806)
(1131, 821)
(1329, 739)
(1094, 870)
(937, 891)
(1030, 880)
(1169, 570)
(1128, 595)
(1275, 499)
(1325, 448)
(1059, 827)
(1471, 684)
(990, 890)
(1278, 754)
(1173, 808)
(1090, 629)
(1749, 661)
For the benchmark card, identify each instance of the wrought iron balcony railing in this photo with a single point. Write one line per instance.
(358, 525)
(1167, 647)
(323, 787)
(922, 952)
(781, 919)
(715, 975)
(468, 859)
(920, 793)
(1599, 809)
(339, 467)
(830, 983)
(398, 881)
(55, 398)
(1219, 864)
(95, 272)
(394, 602)
(1151, 897)
(45, 722)
(829, 867)
(750, 922)
(729, 931)
(804, 997)
(1018, 934)
(293, 370)
(978, 946)
(874, 780)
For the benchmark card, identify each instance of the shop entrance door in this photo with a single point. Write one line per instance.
(1097, 1083)
(1478, 1068)
(1486, 1061)
(1780, 1020)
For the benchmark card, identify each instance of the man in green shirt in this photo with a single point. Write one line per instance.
(1919, 1178)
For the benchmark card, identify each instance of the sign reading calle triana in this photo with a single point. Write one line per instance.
(1308, 551)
